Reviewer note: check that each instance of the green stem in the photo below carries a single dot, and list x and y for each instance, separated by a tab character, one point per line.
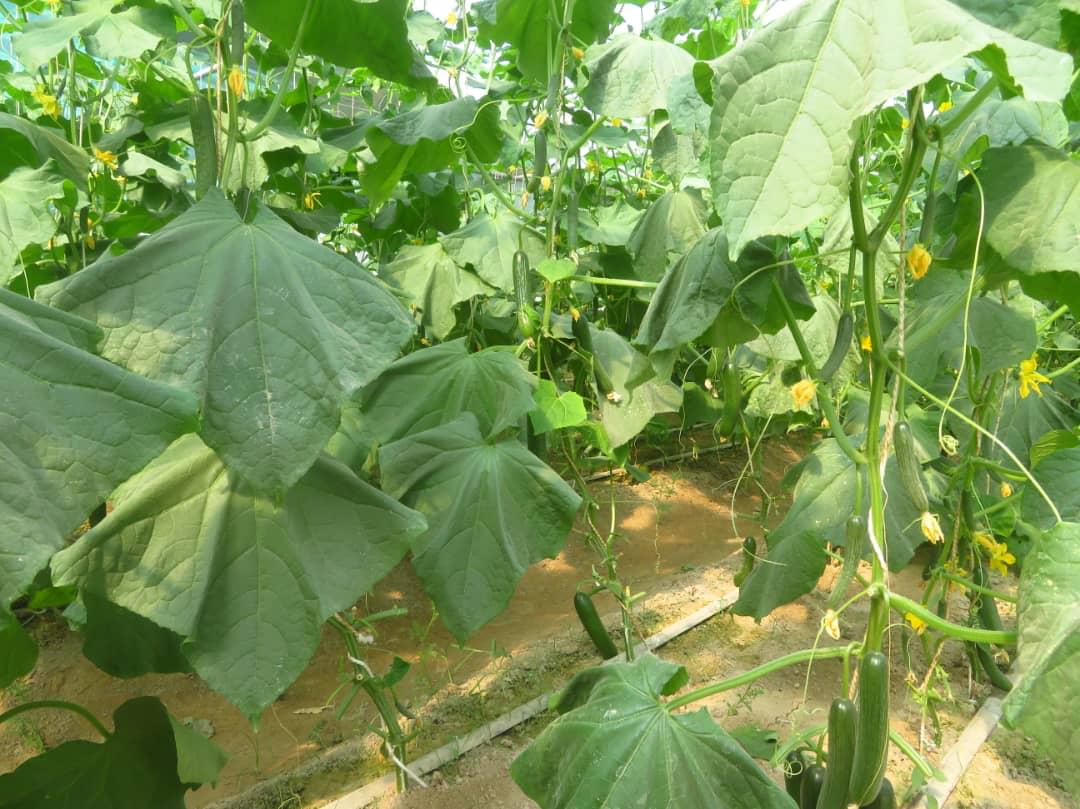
275	104
183	14
793	659
60	704
969	107
927	769
1064	369
615	282
967	584
825	395
904	605
497	190
571	150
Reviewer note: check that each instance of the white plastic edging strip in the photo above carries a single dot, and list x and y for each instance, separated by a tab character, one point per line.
955	762
384	786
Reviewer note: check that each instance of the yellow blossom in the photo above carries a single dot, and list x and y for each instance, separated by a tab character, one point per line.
1001	558
984	539
931	528
803	392
524	199
945	106
744	3
48	102
831	624
1005	489
54	5
90	241
865	344
918	261
917	623
577	52
616	121
592	165
451	19
1030	378
575	313
540	119
107	158
311	198
641	193
647	174
904	123
236	81
545	183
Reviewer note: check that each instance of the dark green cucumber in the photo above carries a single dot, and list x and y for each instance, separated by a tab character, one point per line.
987	607
989	665
236	29
886	797
571	221
201	118
872	734
525	312
540	164
811	786
842	716
583	335
854	545
749	556
594	627
844	331
908	464
732	390
794	770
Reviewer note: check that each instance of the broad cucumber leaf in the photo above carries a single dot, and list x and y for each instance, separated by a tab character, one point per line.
271	331
435	385
1037	20
371	34
629	76
668	229
1048	678
555	411
148	760
72	426
488	243
1058	475
528	26
616	744
23	143
25	217
434	284
125	644
248	581
493	509
779	157
610	225
123	35
18	651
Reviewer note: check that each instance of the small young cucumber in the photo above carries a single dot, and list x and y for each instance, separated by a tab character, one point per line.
811	786
872	733
590	619
908	463
842	715
794	770
525	313
844	331
732	389
854	545
749	554
886	797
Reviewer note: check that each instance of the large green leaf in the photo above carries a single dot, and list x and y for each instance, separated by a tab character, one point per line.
488	243
1033	214
615	744
18	651
705	287
1037	20
123	35
436	385
25	217
72	426
143	762
780	151
629	76
125	644
819	332
371	34
23	143
1048	681
668	229
245	579
555	411
527	25
1058	474
493	509
271	331
433	284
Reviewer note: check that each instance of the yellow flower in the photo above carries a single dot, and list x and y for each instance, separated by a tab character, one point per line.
984	539
647	174
524	198
451	19
107	158
48	102
831	624
90	241
577	52
641	193
236	81
575	313
803	392
545	183
918	261
592	165
865	344
1005	489
1000	558
904	123
1030	378
917	623
744	3
945	106
616	121
540	119
931	528
311	198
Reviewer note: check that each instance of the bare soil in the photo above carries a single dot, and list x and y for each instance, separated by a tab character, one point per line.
679	532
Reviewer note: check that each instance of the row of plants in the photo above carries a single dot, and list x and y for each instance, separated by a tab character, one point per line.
296	290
